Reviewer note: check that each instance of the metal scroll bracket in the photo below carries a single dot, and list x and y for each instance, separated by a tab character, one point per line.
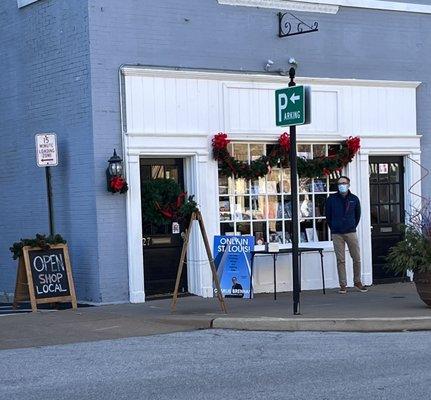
290	25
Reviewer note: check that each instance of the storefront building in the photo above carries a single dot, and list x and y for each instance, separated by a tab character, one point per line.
157	82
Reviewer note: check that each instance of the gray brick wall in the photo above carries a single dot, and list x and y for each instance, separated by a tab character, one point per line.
45	86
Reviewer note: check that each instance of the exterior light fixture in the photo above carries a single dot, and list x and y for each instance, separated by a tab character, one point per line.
114	175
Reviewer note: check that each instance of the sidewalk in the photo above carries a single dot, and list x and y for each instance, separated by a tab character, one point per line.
383	308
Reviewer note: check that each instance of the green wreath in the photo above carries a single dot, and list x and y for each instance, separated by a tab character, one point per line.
163	202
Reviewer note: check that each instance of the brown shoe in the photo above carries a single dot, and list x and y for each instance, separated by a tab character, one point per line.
359	286
343	289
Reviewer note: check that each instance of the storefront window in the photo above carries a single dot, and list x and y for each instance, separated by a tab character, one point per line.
262	207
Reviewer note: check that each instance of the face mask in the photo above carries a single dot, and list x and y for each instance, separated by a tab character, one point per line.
343	188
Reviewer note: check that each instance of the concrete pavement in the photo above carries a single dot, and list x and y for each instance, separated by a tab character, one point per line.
216	364
397	303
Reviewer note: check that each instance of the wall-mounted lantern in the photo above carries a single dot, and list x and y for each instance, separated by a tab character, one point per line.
114	175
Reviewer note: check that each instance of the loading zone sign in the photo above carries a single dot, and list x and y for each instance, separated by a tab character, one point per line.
46	150
292	106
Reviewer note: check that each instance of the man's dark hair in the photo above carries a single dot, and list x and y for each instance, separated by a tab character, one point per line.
344	177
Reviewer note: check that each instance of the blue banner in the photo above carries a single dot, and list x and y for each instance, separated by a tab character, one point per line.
232	256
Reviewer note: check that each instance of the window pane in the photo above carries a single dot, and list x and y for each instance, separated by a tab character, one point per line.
394	172
288	232
227	229
383	173
259	232
286	180
287	207
373	173
274	207
240	151
225	209
395	214
384	193
306	231
241	186
258	186
322	230
395	193
243	228
258	207
304	151
223	184
374	215
305	206
256	151
384	214
276	232
319	150
319	185
273	182
242	208
305	185
319	202
374	195
333	179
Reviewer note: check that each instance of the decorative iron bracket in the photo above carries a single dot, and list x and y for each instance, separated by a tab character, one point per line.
287	22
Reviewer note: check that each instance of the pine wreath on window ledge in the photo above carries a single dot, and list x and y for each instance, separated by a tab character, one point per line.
336	160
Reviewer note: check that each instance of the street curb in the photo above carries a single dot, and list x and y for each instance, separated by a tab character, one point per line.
324	324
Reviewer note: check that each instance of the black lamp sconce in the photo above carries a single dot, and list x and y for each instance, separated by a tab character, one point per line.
114	175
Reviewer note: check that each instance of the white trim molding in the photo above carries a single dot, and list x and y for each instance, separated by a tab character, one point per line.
331	6
284	5
23	3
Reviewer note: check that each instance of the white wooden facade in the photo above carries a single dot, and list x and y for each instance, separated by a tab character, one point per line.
176	113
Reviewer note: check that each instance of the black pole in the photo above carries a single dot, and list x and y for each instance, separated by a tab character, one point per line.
295	219
49	193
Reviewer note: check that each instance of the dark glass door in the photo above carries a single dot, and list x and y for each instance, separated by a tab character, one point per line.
387	212
161	247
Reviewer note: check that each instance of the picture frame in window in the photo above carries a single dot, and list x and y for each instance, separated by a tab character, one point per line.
271	187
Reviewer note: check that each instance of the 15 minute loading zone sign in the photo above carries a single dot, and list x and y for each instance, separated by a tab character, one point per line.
292	106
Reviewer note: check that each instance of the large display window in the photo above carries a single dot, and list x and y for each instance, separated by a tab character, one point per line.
262	207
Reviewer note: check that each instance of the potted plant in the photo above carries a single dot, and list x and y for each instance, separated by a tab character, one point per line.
414	253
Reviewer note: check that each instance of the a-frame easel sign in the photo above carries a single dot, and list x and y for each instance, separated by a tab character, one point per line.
45	276
197	216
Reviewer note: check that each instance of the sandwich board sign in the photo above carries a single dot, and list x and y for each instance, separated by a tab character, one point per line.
45	276
292	106
46	150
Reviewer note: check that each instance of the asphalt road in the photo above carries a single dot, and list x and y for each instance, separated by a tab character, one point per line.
225	365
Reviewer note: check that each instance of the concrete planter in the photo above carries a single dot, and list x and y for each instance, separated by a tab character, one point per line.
423	286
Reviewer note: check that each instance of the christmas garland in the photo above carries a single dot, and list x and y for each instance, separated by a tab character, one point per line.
336	160
164	202
42	241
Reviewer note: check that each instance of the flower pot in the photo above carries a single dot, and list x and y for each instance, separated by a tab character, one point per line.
423	286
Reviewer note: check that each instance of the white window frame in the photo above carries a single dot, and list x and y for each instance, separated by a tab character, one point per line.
231	197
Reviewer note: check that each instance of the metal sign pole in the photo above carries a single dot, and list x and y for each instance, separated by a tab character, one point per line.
295	217
50	206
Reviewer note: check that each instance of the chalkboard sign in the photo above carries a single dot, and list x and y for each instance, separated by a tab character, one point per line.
45	275
49	273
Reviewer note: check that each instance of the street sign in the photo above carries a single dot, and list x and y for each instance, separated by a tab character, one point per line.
292	106
46	150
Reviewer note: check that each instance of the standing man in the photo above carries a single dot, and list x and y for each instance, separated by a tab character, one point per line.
343	212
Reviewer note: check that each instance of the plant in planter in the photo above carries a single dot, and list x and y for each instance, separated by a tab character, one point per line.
414	253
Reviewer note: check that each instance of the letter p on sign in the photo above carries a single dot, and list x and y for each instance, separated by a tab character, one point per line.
282	105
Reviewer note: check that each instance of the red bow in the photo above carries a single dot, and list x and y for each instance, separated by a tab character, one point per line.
284	141
220	141
117	183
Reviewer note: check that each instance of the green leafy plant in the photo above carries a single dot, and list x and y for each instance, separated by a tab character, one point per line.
42	241
413	253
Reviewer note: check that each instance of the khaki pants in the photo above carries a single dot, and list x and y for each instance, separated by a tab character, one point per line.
340	241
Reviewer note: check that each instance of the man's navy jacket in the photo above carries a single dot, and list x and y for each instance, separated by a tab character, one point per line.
343	213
